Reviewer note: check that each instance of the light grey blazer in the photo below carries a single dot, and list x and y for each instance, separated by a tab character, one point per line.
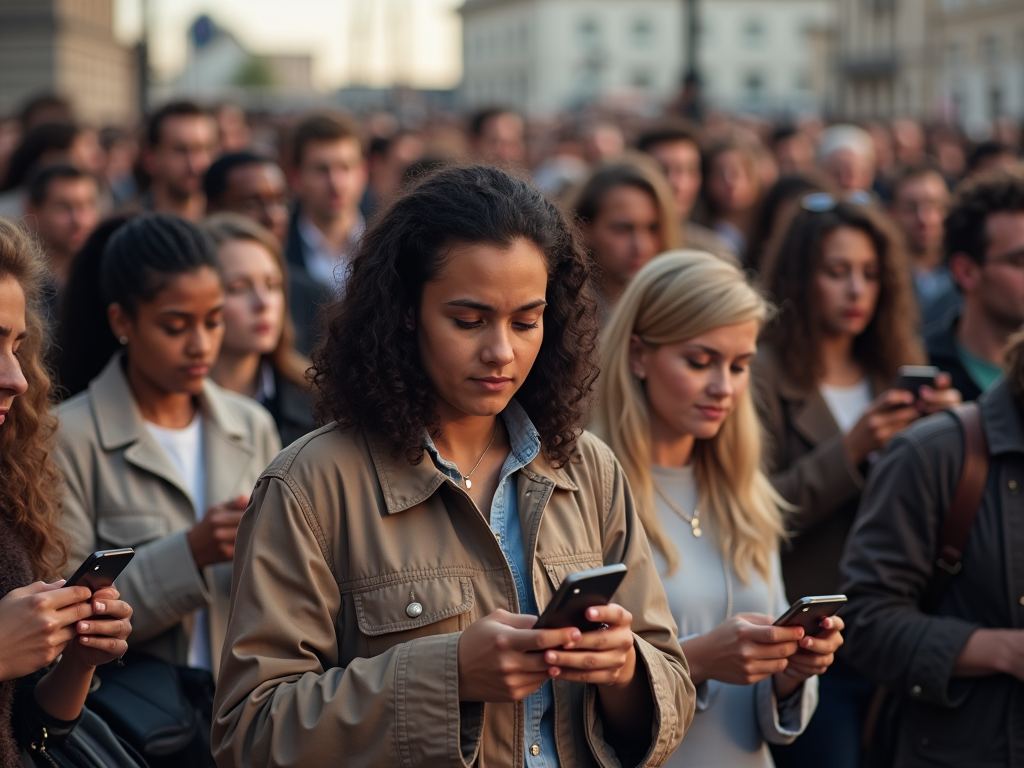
121	490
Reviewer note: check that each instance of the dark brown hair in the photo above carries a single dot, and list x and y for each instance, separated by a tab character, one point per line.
368	369
1000	191
227	227
326	126
30	493
889	340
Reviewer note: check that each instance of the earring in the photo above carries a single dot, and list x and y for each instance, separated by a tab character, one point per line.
123	340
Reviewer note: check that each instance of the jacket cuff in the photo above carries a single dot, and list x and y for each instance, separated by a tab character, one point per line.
931	668
780	722
173	578
427	707
703	689
666	727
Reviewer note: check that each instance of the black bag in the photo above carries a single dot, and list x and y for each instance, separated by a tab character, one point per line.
161	710
92	744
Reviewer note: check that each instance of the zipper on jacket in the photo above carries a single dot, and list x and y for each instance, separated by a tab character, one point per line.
41	749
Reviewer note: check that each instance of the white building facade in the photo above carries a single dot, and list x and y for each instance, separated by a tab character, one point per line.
543	57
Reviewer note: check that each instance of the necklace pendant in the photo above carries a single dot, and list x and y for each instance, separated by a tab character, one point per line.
469	483
695	526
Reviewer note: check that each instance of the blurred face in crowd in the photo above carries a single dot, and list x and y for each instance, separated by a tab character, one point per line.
254	298
732	183
258	191
481	324
919	207
12	333
849	169
67	215
846	282
692	386
625	234
330	178
794	154
388	169
996	287
232	129
501	141
680	160
603	142
994	162
185	150
173	340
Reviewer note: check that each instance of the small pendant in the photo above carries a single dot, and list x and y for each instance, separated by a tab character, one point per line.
469	483
695	525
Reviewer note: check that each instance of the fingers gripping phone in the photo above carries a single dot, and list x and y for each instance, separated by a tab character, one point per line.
807	612
913	377
577	593
101	568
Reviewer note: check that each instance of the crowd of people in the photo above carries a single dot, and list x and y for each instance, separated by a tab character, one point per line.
362	395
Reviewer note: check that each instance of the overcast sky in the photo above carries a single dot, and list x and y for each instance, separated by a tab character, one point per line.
431	38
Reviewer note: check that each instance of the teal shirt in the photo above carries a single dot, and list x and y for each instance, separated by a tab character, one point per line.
983	372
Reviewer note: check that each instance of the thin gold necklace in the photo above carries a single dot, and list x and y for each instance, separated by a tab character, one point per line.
465	478
693	520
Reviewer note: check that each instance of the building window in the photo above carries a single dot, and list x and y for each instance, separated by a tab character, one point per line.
754	33
995	103
642	34
990	50
953	55
753	88
642	79
589	33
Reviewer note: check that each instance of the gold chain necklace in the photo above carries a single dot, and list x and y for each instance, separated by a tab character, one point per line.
693	520
465	478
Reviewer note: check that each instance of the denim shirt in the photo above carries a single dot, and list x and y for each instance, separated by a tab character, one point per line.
504	520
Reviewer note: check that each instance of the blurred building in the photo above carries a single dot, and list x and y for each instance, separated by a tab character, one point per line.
955	60
547	56
219	67
67	47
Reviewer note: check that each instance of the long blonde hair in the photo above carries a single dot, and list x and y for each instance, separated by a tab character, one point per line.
675	297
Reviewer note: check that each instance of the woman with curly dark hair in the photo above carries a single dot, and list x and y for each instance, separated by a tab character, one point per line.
38	621
826	375
391	565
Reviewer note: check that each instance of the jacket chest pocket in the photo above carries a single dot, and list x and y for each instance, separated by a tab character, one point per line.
557	567
418	607
130	529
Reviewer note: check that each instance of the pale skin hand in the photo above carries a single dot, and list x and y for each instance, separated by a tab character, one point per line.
742	650
212	539
815	656
38	621
62	691
992	651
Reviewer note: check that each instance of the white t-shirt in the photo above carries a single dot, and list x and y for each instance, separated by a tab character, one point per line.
847	404
184	447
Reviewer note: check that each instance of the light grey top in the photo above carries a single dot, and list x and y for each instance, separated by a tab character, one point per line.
733	722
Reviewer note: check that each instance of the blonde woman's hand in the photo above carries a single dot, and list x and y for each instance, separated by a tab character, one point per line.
742	650
36	623
815	656
101	640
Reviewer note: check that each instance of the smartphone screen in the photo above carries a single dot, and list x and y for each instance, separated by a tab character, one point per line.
101	568
807	612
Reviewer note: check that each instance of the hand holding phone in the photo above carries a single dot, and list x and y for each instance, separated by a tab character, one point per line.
577	593
913	377
101	568
807	612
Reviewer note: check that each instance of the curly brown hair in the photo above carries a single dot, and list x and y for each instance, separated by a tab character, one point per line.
30	491
890	339
368	370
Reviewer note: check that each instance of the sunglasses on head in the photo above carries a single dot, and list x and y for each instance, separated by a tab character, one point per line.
820	202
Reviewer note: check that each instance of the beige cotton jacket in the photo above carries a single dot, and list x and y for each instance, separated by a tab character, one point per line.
326	663
123	491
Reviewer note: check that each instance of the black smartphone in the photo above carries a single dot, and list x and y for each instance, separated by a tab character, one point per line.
807	612
101	568
577	593
913	377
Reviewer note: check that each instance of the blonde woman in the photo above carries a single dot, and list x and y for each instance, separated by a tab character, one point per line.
676	408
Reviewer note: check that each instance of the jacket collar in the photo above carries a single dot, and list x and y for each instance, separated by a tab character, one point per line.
1003	420
119	424
810	414
405	484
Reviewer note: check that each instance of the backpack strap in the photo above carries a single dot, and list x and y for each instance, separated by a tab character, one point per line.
963	509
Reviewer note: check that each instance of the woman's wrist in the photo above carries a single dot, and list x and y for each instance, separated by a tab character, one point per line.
786	683
693	651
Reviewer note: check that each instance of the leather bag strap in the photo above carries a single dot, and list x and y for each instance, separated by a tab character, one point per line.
963	509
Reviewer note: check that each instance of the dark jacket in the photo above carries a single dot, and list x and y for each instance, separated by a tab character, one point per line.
307	295
941	346
946	721
808	466
292	410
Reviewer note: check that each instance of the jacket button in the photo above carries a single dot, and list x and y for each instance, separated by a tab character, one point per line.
413	610
915	691
535	749
1012	485
1022	601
